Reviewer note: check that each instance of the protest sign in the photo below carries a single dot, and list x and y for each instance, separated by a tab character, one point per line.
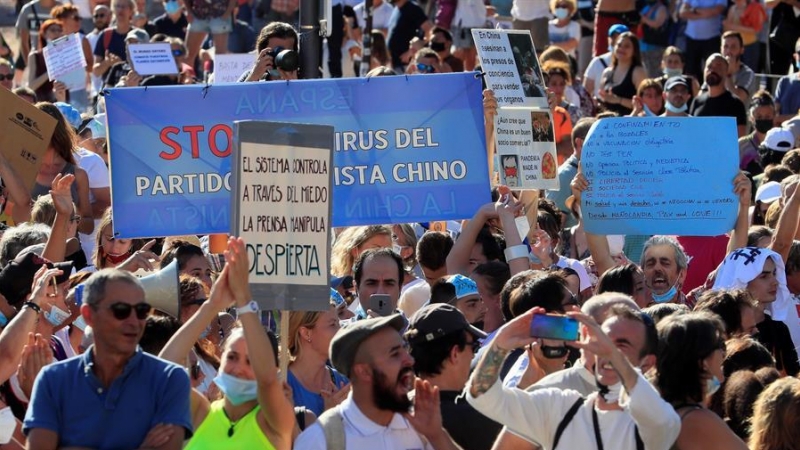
152	58
645	176
526	148
512	70
229	67
396	158
65	61
281	182
25	133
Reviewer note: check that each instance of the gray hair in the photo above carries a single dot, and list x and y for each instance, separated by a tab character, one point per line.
17	238
681	259
598	305
94	289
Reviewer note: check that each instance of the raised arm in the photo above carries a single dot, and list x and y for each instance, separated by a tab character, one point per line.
56	247
742	187
489	113
598	243
786	229
508	210
458	258
276	409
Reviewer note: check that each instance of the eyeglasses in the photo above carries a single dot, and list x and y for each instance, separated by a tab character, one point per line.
123	310
475	344
6	77
75	219
425	68
571	301
177	52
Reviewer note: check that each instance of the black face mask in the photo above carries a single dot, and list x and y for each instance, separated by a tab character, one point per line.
763	125
437	46
554	352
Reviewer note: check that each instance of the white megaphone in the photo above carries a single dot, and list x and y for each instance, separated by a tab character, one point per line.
162	290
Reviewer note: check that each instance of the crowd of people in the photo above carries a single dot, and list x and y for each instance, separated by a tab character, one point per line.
424	341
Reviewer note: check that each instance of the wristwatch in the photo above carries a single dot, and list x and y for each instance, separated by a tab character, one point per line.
250	308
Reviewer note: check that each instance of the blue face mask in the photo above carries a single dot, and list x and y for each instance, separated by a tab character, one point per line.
172	7
672	72
205	332
561	13
666	296
648	112
675	110
236	390
712	385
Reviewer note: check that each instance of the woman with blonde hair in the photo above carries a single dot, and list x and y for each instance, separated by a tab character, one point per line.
355	240
776	421
315	385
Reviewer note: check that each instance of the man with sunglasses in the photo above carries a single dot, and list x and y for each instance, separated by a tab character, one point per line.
443	344
114	395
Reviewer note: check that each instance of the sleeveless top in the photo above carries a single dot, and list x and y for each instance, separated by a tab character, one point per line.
625	89
687	408
45	91
213	433
40	189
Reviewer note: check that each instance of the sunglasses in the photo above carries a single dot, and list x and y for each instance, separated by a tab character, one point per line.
5	77
122	310
425	68
476	345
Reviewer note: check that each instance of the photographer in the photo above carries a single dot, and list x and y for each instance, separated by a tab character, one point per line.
277	54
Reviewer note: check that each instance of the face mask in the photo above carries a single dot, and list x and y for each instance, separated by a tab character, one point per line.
7	425
666	296
205	332
117	259
797	65
672	72
561	13
674	109
56	316
712	385
610	393
172	7
437	46
80	324
763	125
235	389
647	111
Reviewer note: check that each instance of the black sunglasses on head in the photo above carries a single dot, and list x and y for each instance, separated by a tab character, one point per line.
123	310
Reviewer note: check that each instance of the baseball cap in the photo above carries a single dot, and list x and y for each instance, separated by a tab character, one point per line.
678	80
138	34
346	280
434	321
16	277
768	192
617	29
345	342
464	286
779	139
71	114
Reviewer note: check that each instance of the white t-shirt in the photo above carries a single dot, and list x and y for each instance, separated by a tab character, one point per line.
564	34
97	82
536	415
530	9
362	433
380	15
595	71
99	178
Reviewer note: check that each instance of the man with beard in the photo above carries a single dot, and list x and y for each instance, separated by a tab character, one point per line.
718	101
664	263
443	344
632	415
676	94
462	293
375	416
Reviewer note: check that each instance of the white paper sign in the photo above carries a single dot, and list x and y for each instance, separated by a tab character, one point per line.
526	148
512	69
65	61
229	67
152	59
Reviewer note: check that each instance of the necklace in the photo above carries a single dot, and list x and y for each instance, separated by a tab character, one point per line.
232	422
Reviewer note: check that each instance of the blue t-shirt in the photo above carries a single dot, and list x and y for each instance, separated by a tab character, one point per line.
787	94
700	29
304	397
68	399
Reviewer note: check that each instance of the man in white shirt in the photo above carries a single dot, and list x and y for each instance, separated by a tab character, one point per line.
375	415
627	413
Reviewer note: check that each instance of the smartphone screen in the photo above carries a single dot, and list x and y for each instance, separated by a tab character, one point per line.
548	326
381	304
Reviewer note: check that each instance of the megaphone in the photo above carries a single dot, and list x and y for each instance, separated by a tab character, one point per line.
162	290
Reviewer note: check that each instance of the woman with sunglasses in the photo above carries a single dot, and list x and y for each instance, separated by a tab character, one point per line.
254	412
691	349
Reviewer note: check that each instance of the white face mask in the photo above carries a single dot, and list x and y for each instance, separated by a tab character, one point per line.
7	425
56	316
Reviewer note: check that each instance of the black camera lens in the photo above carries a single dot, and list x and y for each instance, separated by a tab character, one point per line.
286	60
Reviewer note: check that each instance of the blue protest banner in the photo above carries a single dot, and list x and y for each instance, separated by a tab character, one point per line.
660	175
407	149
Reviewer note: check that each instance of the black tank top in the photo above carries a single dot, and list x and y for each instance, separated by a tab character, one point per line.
625	89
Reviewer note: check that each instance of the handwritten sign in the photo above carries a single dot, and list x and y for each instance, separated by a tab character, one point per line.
660	175
152	58
65	61
526	148
229	67
282	208
512	69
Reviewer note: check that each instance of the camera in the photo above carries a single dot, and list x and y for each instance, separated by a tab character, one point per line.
285	59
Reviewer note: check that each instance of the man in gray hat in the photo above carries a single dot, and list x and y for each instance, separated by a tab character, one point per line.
374	356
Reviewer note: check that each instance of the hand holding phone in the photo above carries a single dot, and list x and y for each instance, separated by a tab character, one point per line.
551	326
381	304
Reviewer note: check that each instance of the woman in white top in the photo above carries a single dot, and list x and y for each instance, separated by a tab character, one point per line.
564	32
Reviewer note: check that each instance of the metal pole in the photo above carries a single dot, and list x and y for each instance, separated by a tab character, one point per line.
310	41
366	52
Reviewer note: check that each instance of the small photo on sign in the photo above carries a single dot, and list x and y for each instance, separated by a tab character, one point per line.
542	127
510	172
527	64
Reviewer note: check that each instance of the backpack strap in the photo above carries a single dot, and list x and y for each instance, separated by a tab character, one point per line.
603	62
107	35
566	420
639	441
332	423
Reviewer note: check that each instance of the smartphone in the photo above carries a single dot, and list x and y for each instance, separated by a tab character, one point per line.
381	304
549	326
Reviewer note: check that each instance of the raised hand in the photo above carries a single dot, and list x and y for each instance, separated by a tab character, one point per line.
595	340
41	282
62	196
332	396
239	272
35	355
141	259
427	416
742	188
221	296
489	105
